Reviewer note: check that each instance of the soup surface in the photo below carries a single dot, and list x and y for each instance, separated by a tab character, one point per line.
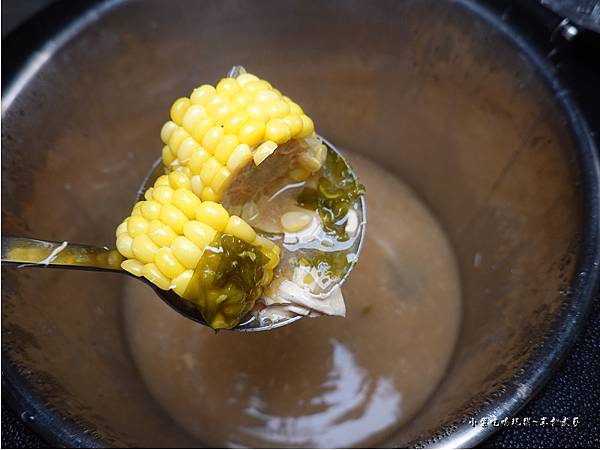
326	382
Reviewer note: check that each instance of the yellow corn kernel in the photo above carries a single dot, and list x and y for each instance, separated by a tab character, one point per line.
294	107
185	170
295	123
209	195
186	149
216	100
167	130
161	234
299	174
203	124
137	225
198	159
167	156
192	116
133	266
212	138
251	132
295	221
225	148
199	233
266	96
137	211
242	99
197	185
148	195
179	284
186	252
321	154
221	113
258	111
267	277
144	248
239	228
167	263
170	215
178	109
273	260
162	194
163	180
186	201
263	151
234	122
239	158
202	94
256	86
179	180
264	243
155	276
278	108
276	251
178	136
245	78
122	228
212	214
308	126
209	170
228	86
151	210
124	242
310	163
221	180
278	131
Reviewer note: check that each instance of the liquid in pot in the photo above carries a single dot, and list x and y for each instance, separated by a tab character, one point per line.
326	382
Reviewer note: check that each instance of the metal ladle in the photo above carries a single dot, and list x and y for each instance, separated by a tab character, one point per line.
25	252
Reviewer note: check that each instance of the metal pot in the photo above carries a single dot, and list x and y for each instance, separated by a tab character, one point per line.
448	95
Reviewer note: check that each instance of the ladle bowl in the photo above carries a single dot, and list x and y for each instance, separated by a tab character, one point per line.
27	253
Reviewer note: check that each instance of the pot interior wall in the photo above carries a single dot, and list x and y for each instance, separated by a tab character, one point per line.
423	87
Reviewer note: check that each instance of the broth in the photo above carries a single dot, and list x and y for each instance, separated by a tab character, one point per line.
325	382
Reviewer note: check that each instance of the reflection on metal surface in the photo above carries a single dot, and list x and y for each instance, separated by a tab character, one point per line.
585	13
350	404
33	252
44	54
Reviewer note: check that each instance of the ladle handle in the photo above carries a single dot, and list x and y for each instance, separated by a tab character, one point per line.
26	252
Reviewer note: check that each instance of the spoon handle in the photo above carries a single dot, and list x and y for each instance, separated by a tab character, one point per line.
26	252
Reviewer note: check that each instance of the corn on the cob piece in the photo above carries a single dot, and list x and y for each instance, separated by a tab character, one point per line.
220	132
170	238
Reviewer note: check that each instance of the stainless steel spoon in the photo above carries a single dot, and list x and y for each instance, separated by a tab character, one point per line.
25	252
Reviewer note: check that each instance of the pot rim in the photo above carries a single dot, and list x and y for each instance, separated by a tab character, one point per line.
63	20
567	326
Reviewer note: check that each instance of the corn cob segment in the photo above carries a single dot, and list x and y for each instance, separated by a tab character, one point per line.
170	238
240	155
222	135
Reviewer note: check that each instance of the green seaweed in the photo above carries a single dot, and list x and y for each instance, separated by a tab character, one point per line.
336	192
332	265
227	281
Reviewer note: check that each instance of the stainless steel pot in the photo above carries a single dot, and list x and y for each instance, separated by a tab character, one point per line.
447	95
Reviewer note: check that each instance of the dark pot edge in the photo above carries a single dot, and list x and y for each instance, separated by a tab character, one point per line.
569	323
